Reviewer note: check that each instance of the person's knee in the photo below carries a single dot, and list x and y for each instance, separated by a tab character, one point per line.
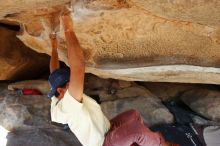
134	111
135	115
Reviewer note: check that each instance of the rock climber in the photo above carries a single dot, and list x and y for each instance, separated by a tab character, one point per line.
82	114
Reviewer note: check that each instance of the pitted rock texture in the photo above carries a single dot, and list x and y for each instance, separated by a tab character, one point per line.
203	12
132	35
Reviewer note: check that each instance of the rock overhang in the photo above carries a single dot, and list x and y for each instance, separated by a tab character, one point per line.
160	41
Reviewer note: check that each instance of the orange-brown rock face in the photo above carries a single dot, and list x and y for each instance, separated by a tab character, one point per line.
16	60
145	40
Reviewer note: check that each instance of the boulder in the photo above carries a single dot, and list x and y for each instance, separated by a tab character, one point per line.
27	120
47	136
150	107
29	115
40	85
169	91
18	111
110	89
13	116
205	102
39	108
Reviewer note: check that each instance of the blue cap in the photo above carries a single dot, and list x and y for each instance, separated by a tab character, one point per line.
57	79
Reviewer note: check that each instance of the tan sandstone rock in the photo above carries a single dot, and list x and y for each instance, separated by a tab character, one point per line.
16	60
144	40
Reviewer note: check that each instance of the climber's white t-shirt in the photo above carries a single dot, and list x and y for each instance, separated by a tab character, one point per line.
86	120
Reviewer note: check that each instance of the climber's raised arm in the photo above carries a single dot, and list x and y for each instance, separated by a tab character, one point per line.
54	60
75	59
